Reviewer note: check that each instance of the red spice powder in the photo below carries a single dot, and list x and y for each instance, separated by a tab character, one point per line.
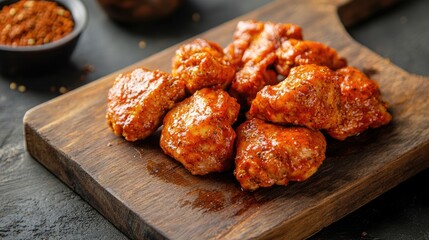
28	23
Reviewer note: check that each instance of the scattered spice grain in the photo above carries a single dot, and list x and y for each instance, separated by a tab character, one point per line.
196	17
28	23
88	68
53	89
22	88
12	85
142	44
62	90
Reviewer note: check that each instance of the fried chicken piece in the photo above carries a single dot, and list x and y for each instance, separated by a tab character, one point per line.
296	52
248	33
309	96
202	64
269	154
252	78
253	54
138	101
197	132
362	105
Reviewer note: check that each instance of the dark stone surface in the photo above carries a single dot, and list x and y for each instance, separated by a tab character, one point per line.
36	205
400	34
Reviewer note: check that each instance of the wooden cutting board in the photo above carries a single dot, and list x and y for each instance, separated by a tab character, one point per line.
148	195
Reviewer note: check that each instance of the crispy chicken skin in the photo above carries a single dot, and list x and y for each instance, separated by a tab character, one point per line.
138	101
295	52
202	64
247	34
309	96
253	54
362	106
269	154
197	132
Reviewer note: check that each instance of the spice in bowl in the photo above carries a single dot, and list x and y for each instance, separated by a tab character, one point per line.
29	23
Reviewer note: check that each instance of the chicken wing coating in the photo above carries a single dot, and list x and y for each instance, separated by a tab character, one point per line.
198	133
362	106
245	43
138	101
295	52
269	154
309	96
253	53
202	64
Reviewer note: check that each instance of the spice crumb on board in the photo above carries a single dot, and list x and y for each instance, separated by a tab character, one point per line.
48	20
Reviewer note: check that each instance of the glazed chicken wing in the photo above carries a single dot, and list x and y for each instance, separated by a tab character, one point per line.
362	106
245	45
202	64
296	52
138	101
253	53
198	133
269	154
309	96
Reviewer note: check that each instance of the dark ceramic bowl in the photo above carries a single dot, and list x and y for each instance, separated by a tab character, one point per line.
42	58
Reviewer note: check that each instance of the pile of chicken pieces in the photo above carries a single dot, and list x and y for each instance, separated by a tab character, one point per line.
259	105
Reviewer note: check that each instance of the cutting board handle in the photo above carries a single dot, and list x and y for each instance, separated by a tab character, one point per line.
352	12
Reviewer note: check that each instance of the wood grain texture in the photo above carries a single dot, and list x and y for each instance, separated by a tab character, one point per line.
148	195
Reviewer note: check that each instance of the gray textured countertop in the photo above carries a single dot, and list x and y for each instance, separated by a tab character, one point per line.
34	204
